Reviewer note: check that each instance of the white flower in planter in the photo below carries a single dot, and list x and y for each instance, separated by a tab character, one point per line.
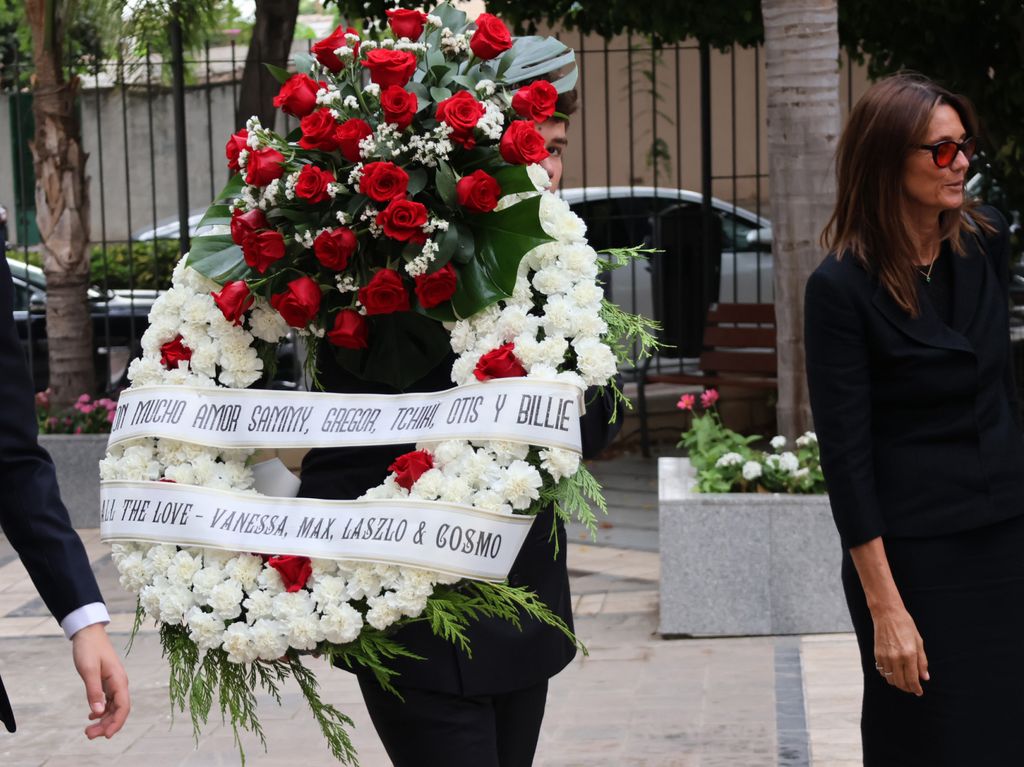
751	470
778	442
729	459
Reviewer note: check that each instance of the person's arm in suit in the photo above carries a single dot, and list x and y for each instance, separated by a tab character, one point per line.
596	428
35	521
839	383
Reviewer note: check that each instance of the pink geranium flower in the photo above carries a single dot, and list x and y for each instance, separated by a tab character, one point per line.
686	402
709	398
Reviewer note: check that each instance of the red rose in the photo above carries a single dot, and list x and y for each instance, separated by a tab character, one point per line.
173	353
385	294
499	363
312	182
410	467
405	23
299	303
491	38
294	571
536	101
478	192
244	224
238	143
348	136
349	330
436	288
319	131
403	220
263	166
324	50
297	96
462	112
234	300
399	106
263	248
389	67
383	181
522	144
334	248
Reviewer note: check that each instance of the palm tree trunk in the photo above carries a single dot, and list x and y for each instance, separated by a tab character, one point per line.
802	65
271	43
62	205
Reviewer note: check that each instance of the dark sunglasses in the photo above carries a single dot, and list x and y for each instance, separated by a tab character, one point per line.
945	152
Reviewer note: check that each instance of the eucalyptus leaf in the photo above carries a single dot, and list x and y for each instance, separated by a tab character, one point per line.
303	62
467	81
217	257
452	18
440	94
417	182
423	342
447	244
281	75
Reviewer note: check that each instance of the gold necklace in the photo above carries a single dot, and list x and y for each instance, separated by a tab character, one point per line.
927	273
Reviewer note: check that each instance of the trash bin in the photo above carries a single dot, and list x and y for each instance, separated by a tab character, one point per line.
685	281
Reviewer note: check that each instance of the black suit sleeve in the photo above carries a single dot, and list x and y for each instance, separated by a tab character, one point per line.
596	429
997	249
839	383
32	514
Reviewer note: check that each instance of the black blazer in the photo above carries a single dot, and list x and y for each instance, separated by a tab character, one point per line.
504	658
32	515
917	420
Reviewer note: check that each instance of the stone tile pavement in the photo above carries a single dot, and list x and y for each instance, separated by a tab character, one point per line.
634	700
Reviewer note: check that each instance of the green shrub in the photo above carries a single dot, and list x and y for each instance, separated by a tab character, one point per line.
148	266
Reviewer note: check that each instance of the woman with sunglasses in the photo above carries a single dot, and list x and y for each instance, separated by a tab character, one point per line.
908	362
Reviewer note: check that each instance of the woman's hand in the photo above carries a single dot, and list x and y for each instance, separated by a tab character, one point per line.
899	649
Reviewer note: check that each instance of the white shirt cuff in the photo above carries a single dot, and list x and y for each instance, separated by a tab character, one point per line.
86	615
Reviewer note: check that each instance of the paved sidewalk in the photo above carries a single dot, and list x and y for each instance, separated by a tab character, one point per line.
635	700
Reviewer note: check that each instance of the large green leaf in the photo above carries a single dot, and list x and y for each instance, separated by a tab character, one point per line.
502	239
218	258
423	343
454	19
535	57
216	214
513	179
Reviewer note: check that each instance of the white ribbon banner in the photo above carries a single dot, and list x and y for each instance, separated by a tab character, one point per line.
543	413
449	538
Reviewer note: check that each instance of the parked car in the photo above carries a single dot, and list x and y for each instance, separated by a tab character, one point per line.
676	286
168	228
119	318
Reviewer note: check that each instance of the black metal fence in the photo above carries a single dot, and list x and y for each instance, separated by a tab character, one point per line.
667	150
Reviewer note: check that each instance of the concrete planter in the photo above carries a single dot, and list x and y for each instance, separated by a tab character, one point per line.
77	458
740	564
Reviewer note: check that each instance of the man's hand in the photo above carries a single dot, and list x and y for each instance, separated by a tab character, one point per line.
106	683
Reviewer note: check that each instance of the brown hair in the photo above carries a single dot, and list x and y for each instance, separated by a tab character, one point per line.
887	123
567	103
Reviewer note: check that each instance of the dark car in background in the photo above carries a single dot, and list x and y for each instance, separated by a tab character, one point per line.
119	318
676	285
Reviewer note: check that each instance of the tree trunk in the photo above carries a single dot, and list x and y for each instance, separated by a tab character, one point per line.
62	206
271	43
802	63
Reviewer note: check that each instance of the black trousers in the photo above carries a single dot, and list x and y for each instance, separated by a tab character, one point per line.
965	592
433	729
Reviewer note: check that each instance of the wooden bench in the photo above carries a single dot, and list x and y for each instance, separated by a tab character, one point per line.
738	350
